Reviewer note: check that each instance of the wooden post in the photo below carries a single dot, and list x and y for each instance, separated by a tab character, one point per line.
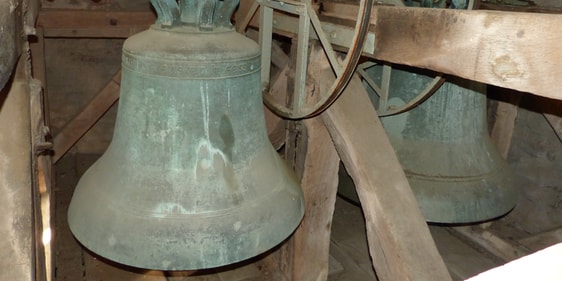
39	68
505	115
319	183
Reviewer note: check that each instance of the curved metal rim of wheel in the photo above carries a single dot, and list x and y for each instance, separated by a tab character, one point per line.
344	71
383	90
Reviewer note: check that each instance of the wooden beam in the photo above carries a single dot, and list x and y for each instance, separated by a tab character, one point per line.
92	23
506	49
399	240
555	122
553	114
41	174
531	8
38	68
542	240
512	50
504	119
312	238
504	249
79	125
276	126
543	265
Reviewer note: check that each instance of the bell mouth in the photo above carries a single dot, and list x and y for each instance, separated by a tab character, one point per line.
167	238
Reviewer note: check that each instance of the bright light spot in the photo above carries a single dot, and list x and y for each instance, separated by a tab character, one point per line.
46	236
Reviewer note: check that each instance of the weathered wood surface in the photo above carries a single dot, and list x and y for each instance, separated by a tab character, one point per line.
499	247
92	23
543	265
553	114
41	171
542	240
531	7
513	50
520	51
38	67
504	120
463	261
399	240
555	122
319	183
81	123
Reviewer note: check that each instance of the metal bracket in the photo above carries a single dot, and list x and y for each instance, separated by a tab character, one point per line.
266	39
343	70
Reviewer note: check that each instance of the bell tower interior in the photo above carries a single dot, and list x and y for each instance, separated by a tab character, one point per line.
301	140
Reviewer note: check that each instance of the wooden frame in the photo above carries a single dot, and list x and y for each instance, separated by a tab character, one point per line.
398	238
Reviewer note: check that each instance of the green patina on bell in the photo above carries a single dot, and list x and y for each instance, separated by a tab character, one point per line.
190	179
443	144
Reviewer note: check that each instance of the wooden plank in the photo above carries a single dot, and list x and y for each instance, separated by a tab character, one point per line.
79	125
349	244
98	268
553	115
38	67
312	238
275	128
462	260
54	18
555	122
504	123
495	245
88	32
41	183
93	23
542	240
399	240
531	8
47	216
69	259
511	50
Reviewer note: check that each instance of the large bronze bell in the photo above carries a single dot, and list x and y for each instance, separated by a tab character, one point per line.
190	179
444	147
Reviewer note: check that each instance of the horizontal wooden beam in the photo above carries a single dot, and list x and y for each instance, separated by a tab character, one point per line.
511	50
488	5
520	51
93	24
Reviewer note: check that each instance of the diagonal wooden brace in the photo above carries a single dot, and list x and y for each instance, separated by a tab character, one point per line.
73	131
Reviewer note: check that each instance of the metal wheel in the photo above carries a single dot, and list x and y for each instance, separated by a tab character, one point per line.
382	89
308	18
